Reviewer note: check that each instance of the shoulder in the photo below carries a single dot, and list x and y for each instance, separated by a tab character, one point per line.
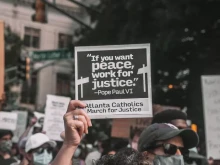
94	153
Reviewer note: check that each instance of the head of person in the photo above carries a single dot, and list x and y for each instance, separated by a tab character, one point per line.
102	141
210	161
134	138
39	149
127	156
5	141
175	117
37	130
165	144
14	150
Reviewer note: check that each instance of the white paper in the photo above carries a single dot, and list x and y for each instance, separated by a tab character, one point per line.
8	120
56	107
21	125
211	107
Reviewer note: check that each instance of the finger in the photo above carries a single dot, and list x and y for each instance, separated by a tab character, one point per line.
62	135
79	126
73	104
83	119
82	112
68	118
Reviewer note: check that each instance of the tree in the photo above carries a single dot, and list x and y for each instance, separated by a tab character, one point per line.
13	44
184	37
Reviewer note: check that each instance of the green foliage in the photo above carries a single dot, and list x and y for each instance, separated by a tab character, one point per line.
184	37
13	45
181	34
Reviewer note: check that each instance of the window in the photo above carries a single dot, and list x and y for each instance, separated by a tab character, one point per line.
63	84
32	37
65	40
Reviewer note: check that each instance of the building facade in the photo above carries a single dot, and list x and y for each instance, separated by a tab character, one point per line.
54	77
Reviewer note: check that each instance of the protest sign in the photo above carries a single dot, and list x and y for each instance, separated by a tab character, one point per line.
114	81
211	108
21	125
56	107
8	121
40	119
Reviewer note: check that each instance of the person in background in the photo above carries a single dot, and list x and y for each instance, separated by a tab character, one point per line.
23	139
21	147
15	152
77	156
134	138
165	144
5	147
175	117
103	144
159	143
179	118
39	149
126	156
210	161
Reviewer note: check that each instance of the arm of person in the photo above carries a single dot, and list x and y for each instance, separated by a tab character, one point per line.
30	125
76	122
64	155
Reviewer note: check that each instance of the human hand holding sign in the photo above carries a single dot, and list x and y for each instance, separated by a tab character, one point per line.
33	121
76	122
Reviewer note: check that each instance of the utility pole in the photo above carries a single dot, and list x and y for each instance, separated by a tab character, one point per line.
2	63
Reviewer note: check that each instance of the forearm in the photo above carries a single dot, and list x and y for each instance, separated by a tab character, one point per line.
26	132
64	156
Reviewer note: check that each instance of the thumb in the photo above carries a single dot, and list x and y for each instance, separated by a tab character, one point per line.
62	135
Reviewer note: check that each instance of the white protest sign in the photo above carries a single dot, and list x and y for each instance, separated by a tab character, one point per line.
8	120
211	106
56	107
40	119
114	81
21	125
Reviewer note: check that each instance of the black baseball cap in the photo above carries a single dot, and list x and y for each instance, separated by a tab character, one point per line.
164	131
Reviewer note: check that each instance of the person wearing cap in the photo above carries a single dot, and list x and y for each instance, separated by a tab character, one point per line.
39	149
179	118
165	144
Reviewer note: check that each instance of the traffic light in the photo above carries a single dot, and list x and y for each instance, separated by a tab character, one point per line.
24	68
40	12
194	127
170	86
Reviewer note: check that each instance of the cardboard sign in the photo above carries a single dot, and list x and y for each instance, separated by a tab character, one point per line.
56	107
114	81
211	107
21	125
122	128
8	120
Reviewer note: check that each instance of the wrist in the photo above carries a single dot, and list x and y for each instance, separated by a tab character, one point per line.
69	146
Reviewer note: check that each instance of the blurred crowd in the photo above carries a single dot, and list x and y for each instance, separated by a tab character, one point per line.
168	140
